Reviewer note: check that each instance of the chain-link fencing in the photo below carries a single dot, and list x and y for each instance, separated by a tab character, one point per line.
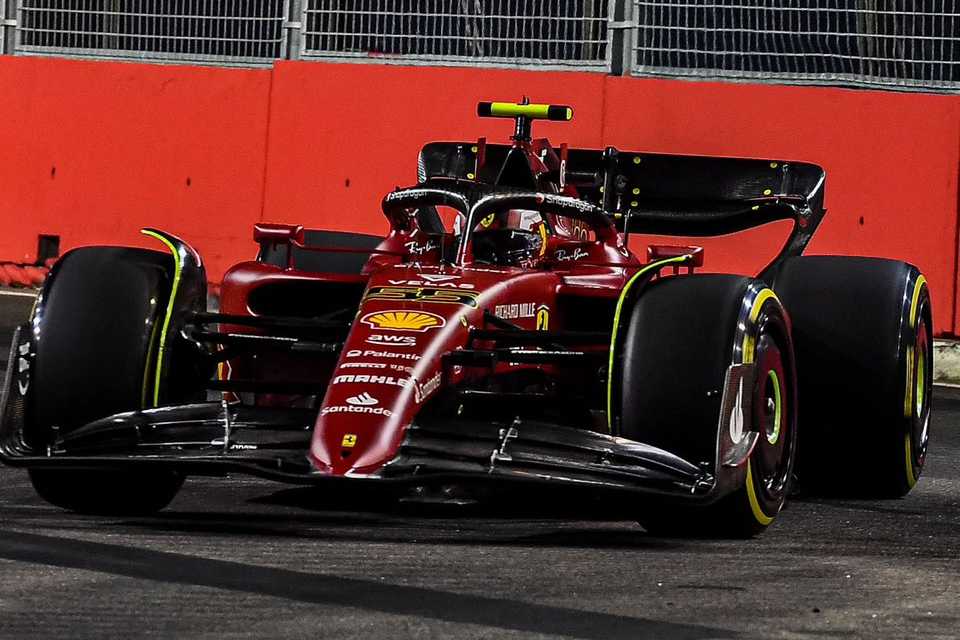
890	43
913	44
207	31
535	33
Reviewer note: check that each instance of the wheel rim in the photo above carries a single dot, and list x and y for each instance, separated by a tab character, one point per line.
771	460
773	406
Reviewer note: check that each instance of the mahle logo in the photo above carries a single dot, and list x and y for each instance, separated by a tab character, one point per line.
403	320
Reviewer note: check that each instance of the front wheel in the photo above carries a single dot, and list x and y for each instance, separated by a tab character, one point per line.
114	493
682	336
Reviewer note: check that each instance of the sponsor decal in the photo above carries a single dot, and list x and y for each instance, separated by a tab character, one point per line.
386	355
422	391
363	400
363	378
487	220
416	249
543	318
407	194
375	411
516	310
423	294
439	277
562	255
426	283
395	341
402	368
349	441
565	201
403	320
363	365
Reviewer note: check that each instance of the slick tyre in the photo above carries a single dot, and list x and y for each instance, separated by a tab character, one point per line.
683	334
97	322
110	493
863	331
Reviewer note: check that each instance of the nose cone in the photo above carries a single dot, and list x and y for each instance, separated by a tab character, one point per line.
391	363
360	423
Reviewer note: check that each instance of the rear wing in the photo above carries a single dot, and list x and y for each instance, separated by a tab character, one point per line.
659	193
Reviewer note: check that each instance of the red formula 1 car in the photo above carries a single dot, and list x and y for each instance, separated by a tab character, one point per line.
501	337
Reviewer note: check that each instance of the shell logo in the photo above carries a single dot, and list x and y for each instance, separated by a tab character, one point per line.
403	320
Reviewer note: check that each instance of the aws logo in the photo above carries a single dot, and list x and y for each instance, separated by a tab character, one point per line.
423	294
380	339
403	320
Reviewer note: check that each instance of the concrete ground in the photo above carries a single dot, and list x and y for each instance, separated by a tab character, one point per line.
243	558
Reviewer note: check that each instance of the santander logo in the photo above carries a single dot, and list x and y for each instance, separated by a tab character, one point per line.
363	400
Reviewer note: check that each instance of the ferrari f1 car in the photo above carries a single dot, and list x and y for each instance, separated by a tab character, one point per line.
502	336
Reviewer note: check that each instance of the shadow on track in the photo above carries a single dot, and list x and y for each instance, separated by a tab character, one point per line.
325	589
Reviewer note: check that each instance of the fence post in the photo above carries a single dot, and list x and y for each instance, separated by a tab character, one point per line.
8	25
294	26
620	30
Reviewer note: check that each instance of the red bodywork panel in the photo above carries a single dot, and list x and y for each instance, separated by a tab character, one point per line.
410	315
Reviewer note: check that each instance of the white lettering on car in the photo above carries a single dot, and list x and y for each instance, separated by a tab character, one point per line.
395	341
386	355
516	310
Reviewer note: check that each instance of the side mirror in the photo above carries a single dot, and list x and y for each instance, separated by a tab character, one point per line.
272	237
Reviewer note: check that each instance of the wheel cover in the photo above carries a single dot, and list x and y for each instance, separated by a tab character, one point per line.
773	406
772	457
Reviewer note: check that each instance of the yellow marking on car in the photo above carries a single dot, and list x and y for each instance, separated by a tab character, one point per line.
349	441
403	320
908	383
748	339
169	313
921	281
755	507
511	110
616	323
911	471
145	389
543	319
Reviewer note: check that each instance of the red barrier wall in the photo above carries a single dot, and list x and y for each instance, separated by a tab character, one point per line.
94	150
892	162
343	135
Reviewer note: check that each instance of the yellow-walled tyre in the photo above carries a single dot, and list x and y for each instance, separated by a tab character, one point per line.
96	331
863	334
682	336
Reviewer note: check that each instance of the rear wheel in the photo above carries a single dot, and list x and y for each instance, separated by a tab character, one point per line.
683	335
97	323
863	328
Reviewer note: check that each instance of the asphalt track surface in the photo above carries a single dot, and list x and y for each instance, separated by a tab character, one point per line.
244	558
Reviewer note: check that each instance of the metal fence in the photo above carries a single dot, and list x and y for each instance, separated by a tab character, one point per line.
223	31
892	43
567	33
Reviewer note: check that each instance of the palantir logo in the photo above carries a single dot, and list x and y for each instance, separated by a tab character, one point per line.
364	400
